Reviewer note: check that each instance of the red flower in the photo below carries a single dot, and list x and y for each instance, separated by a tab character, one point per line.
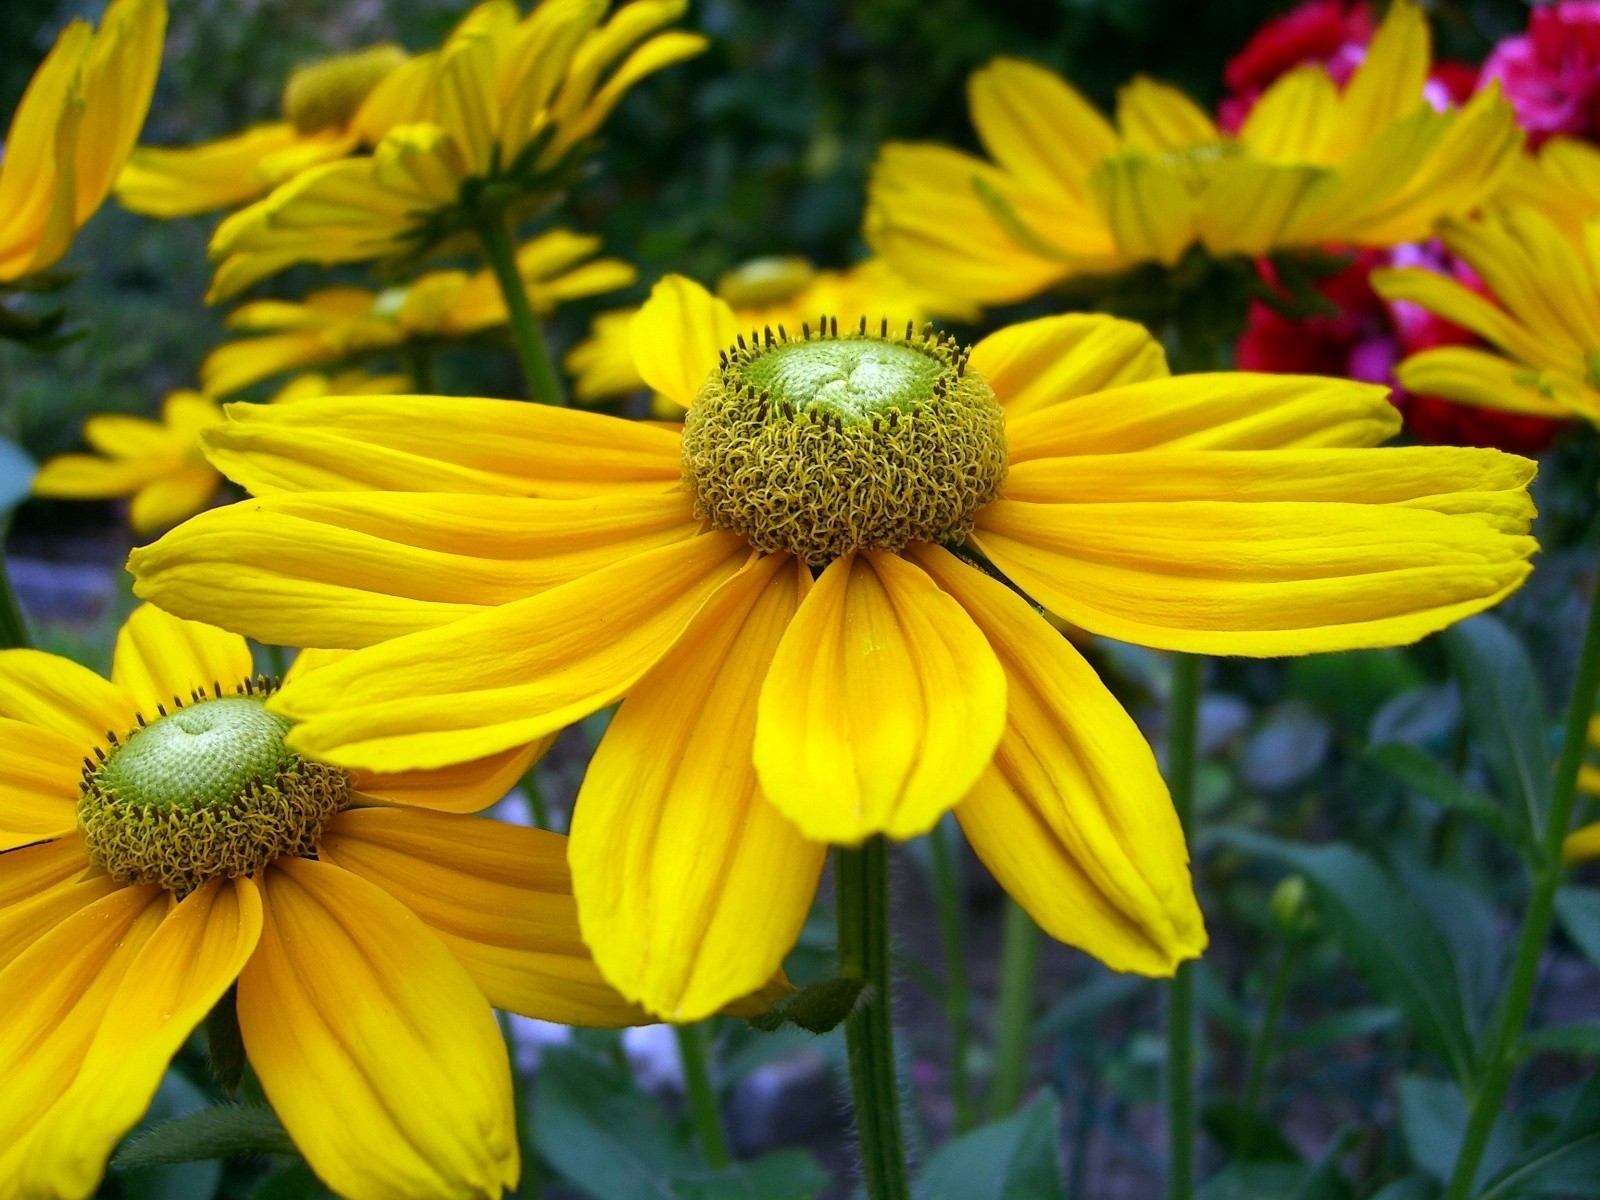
1551	74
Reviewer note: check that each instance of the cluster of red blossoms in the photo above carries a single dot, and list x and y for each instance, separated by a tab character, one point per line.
1551	76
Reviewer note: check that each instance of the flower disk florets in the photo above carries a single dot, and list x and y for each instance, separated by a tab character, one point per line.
206	791
822	445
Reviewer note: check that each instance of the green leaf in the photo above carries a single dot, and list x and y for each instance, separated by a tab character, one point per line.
1013	1159
1419	772
1506	711
1245	1135
1342	1027
225	1131
177	1097
1388	936
1089	1002
1566	1163
1433	1120
786	1175
1579	911
1580	1037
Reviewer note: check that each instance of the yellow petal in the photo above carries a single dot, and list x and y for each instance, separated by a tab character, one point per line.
85	477
1037	364
439	444
1296	119
1250	205
180	974
185	182
40	770
119	77
57	995
347	569
1266	552
499	897
1148	207
1158	118
40	887
377	1051
1472	376
118	436
655	55
509	676
1037	126
58	695
1073	817
691	887
1454	302
1582	844
883	705
464	788
164	502
676	337
1388	84
160	657
234	366
1229	410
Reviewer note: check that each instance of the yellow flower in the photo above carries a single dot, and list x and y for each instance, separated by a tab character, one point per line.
1562	181
343	383
508	106
330	108
1067	193
1543	321
799	596
338	324
764	291
158	845
74	128
159	463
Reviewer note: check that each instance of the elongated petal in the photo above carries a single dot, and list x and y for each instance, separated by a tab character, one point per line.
439	444
59	896
1296	120
498	896
1040	363
1224	411
691	887
1472	376
1455	302
85	477
57	994
1268	552
1037	126
377	1051
1073	817
58	695
463	788
677	335
883	705
348	569
506	677
163	502
1158	117
1388	84
1147	206
179	975
160	657
1248	207
40	770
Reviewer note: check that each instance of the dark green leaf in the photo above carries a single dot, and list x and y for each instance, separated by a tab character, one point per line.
1567	1163
1245	1135
786	1175
1013	1159
225	1131
1342	1027
1579	911
1386	933
1506	711
295	1182
1088	1003
1581	1037
1423	775
1433	1120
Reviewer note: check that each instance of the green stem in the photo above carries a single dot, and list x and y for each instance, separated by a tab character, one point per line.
1182	738
1261	1046
1498	1061
537	808
13	628
957	992
1019	965
694	1051
419	365
537	369
861	878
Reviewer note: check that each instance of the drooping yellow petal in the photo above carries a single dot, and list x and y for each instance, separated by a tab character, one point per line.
677	335
160	657
498	896
1266	552
1073	817
119	77
180	974
185	182
439	444
40	887
883	705
1472	376
509	676
1223	411
40	770
468	787
1040	363
1455	302
377	1051
58	695
691	887
57	994
348	569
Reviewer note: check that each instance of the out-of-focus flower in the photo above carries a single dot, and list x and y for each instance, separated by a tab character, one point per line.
1551	74
330	108
563	560
1541	317
1583	845
162	853
342	383
336	325
1561	180
765	291
506	113
1333	33
1371	164
74	128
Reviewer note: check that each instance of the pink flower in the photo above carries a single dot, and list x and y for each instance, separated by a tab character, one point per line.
1551	74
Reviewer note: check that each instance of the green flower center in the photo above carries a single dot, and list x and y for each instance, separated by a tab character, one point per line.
822	445
204	792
